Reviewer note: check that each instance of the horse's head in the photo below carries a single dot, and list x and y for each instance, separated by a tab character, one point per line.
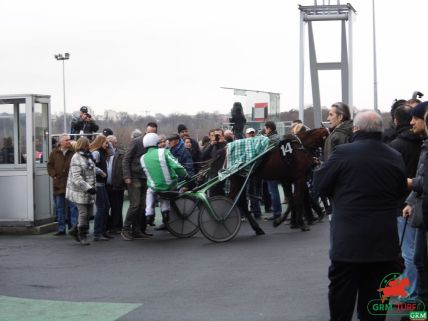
314	138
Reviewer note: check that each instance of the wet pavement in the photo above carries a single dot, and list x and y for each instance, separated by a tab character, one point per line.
279	276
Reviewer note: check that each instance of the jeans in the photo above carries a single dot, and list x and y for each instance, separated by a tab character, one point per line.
408	252
60	211
421	263
103	208
276	200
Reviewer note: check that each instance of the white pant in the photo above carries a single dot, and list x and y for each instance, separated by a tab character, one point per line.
150	203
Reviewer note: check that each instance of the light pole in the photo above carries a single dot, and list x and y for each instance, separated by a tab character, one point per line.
63	59
374	61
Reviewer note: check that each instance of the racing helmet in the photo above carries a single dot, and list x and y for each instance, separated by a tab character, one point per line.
150	139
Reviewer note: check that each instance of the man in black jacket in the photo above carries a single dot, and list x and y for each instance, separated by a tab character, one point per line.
134	226
84	123
365	181
408	144
415	201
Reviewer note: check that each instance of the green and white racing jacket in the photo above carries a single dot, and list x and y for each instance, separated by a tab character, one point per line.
162	169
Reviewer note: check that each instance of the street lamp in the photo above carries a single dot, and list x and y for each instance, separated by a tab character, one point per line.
63	59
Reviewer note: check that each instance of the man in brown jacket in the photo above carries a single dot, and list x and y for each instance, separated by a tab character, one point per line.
58	168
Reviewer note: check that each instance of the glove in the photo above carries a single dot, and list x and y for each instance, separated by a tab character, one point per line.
92	191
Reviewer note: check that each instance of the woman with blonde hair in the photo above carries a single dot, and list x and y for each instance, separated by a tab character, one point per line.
298	128
99	150
81	188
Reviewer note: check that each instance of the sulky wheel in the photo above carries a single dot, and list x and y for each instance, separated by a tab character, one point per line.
220	228
183	217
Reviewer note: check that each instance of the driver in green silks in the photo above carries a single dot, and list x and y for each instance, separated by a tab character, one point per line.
162	170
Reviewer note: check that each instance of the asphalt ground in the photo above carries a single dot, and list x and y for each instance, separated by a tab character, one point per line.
279	276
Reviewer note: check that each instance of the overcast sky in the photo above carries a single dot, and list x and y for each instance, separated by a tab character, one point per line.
172	56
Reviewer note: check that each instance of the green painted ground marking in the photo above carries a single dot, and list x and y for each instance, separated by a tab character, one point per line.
18	309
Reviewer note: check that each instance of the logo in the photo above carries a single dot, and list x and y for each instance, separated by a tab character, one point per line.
392	286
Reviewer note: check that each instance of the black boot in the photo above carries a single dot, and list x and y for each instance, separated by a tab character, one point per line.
165	217
83	235
74	233
150	220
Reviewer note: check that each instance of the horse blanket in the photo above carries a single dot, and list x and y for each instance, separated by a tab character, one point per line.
242	151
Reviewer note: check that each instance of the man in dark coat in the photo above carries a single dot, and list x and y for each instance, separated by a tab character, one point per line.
406	141
408	144
339	117
183	156
365	181
415	201
134	226
84	123
390	133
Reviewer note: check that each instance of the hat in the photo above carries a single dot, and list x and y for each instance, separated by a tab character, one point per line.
250	130
419	110
84	109
150	139
107	132
172	137
181	127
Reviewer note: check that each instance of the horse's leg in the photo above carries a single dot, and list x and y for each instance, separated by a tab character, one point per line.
299	192
307	208
288	194
235	185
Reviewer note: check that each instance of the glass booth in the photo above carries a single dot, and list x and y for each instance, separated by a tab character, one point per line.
25	198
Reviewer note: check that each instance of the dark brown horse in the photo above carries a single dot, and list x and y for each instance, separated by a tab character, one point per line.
288	163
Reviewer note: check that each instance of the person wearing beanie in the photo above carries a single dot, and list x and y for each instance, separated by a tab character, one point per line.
414	207
107	132
408	144
419	110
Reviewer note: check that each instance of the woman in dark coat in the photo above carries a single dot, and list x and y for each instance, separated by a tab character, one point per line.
99	149
238	120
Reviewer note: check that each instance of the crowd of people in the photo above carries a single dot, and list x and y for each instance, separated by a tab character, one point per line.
377	182
372	182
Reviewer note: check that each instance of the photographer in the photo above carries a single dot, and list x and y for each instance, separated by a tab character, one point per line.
84	124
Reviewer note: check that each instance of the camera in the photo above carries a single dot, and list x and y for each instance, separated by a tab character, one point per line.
217	137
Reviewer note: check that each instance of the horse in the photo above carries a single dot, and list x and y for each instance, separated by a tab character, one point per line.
289	163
